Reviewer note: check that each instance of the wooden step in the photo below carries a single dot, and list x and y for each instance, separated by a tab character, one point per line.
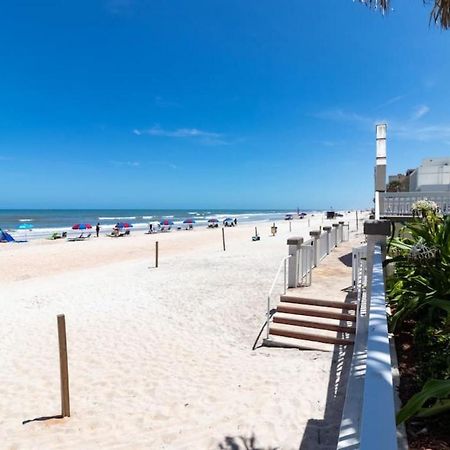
316	312
317	302
307	336
300	322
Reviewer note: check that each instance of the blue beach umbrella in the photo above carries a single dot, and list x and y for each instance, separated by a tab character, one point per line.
189	221
166	222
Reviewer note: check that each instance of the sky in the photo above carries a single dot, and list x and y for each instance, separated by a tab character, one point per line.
214	103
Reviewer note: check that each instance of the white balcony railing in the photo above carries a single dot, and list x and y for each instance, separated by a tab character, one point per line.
398	204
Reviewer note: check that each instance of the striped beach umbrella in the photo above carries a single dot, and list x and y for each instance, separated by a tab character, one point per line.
81	226
124	225
166	222
189	221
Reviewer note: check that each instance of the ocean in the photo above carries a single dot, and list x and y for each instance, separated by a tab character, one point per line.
44	221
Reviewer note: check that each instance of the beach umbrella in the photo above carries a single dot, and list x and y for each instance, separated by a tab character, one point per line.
124	225
214	220
26	226
189	221
166	222
81	226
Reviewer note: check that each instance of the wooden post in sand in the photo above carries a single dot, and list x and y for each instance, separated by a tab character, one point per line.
156	253
357	225
223	238
63	366
290	226
256	231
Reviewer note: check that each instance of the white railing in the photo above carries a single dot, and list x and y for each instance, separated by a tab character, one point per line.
400	203
283	265
306	263
358	255
368	418
332	238
346	232
323	245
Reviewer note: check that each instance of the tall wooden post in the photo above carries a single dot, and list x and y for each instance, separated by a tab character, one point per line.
223	238
63	366
156	253
357	221
290	226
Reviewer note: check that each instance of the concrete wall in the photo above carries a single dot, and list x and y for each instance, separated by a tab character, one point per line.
432	175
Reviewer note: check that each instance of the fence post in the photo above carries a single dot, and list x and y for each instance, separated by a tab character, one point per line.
223	238
341	231
316	247
294	244
328	231
63	366
335	231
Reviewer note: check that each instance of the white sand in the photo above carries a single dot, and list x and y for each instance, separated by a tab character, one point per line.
158	358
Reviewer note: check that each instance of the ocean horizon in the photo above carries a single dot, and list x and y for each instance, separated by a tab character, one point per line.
58	219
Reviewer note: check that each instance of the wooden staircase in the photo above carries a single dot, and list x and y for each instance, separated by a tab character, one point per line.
312	323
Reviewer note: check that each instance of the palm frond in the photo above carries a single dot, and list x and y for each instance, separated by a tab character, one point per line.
440	14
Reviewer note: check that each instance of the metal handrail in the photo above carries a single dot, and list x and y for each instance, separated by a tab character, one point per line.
283	262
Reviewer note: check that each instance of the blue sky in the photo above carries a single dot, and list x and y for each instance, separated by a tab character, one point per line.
214	103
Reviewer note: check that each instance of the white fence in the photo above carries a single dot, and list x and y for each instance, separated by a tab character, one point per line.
368	418
306	263
323	245
393	204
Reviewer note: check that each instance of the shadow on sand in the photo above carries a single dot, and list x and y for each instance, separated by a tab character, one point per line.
242	443
323	433
42	419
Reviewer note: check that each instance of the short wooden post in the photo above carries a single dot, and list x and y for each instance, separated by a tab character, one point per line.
357	225
256	231
156	253
290	226
223	238
63	366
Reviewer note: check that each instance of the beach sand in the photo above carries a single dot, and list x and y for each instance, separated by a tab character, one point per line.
158	358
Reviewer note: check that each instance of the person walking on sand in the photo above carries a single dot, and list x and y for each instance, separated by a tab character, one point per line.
97	229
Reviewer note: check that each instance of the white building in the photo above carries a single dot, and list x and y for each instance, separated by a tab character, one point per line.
431	176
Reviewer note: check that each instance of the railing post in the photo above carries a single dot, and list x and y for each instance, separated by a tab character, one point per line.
341	231
294	244
335	231
315	235
328	231
376	232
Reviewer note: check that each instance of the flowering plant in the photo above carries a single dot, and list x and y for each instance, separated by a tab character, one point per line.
424	207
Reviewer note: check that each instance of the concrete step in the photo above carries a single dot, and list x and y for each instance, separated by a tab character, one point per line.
310	310
318	302
327	337
295	320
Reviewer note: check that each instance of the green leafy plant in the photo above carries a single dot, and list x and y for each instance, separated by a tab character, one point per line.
422	271
437	391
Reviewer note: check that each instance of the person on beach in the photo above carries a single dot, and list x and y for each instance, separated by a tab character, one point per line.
235	221
150	228
97	229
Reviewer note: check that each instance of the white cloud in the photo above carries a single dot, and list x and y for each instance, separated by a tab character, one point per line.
178	133
420	111
125	163
437	132
339	115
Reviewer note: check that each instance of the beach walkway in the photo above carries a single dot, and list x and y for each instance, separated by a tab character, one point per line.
322	314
